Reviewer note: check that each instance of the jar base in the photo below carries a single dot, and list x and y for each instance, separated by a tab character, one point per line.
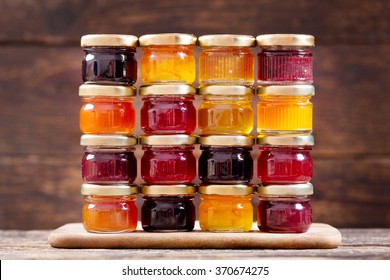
298	132
109	231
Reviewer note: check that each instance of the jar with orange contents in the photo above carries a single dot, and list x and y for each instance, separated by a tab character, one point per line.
107	109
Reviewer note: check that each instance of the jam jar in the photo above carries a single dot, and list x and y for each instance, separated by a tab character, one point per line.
168	58
107	109
225	110
225	159
285	110
226	208
168	208
109	208
108	159
285	59
109	59
168	159
168	109
285	159
284	208
226	59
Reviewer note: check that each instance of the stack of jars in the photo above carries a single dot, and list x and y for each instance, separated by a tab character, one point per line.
284	126
107	120
225	121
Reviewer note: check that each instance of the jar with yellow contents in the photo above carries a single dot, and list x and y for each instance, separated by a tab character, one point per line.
226	208
168	58
285	110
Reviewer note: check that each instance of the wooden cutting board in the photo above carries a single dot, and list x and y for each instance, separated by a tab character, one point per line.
319	236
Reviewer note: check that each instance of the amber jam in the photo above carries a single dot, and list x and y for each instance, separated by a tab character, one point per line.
168	109
226	159
168	208
284	208
109	208
109	59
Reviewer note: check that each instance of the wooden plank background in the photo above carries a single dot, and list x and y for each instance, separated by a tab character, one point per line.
40	72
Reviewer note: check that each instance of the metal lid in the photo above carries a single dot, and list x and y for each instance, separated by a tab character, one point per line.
226	40
167	39
103	90
304	140
226	90
108	190
168	140
226	140
107	140
108	40
167	90
293	90
285	40
226	189
285	190
168	189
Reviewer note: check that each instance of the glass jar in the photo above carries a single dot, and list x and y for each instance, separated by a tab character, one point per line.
168	159
107	109
285	59
109	208
285	159
226	59
285	110
168	58
109	59
226	208
284	208
168	208
226	159
168	109
108	159
225	110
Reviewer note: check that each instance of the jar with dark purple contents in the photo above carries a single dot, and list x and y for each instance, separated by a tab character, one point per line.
109	59
284	208
168	207
226	159
285	59
108	159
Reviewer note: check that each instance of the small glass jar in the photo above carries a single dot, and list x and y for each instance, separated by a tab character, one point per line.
226	208
285	59
226	59
168	58
109	59
285	110
168	208
285	159
225	110
226	159
168	109
108	159
109	208
107	109
168	159
284	208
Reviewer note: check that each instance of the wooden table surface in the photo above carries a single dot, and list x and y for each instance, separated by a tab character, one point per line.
356	244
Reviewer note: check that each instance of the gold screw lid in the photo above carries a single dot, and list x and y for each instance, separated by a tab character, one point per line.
167	39
168	189
285	190
292	90
285	40
226	90
168	140
226	40
104	90
304	140
108	190
167	90
226	140
108	40
107	140
226	189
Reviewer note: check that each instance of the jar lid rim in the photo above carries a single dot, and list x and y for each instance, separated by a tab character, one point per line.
174	89
301	140
90	90
168	139
226	140
225	90
167	39
226	40
108	140
108	40
290	90
285	190
168	189
108	190
229	190
285	40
